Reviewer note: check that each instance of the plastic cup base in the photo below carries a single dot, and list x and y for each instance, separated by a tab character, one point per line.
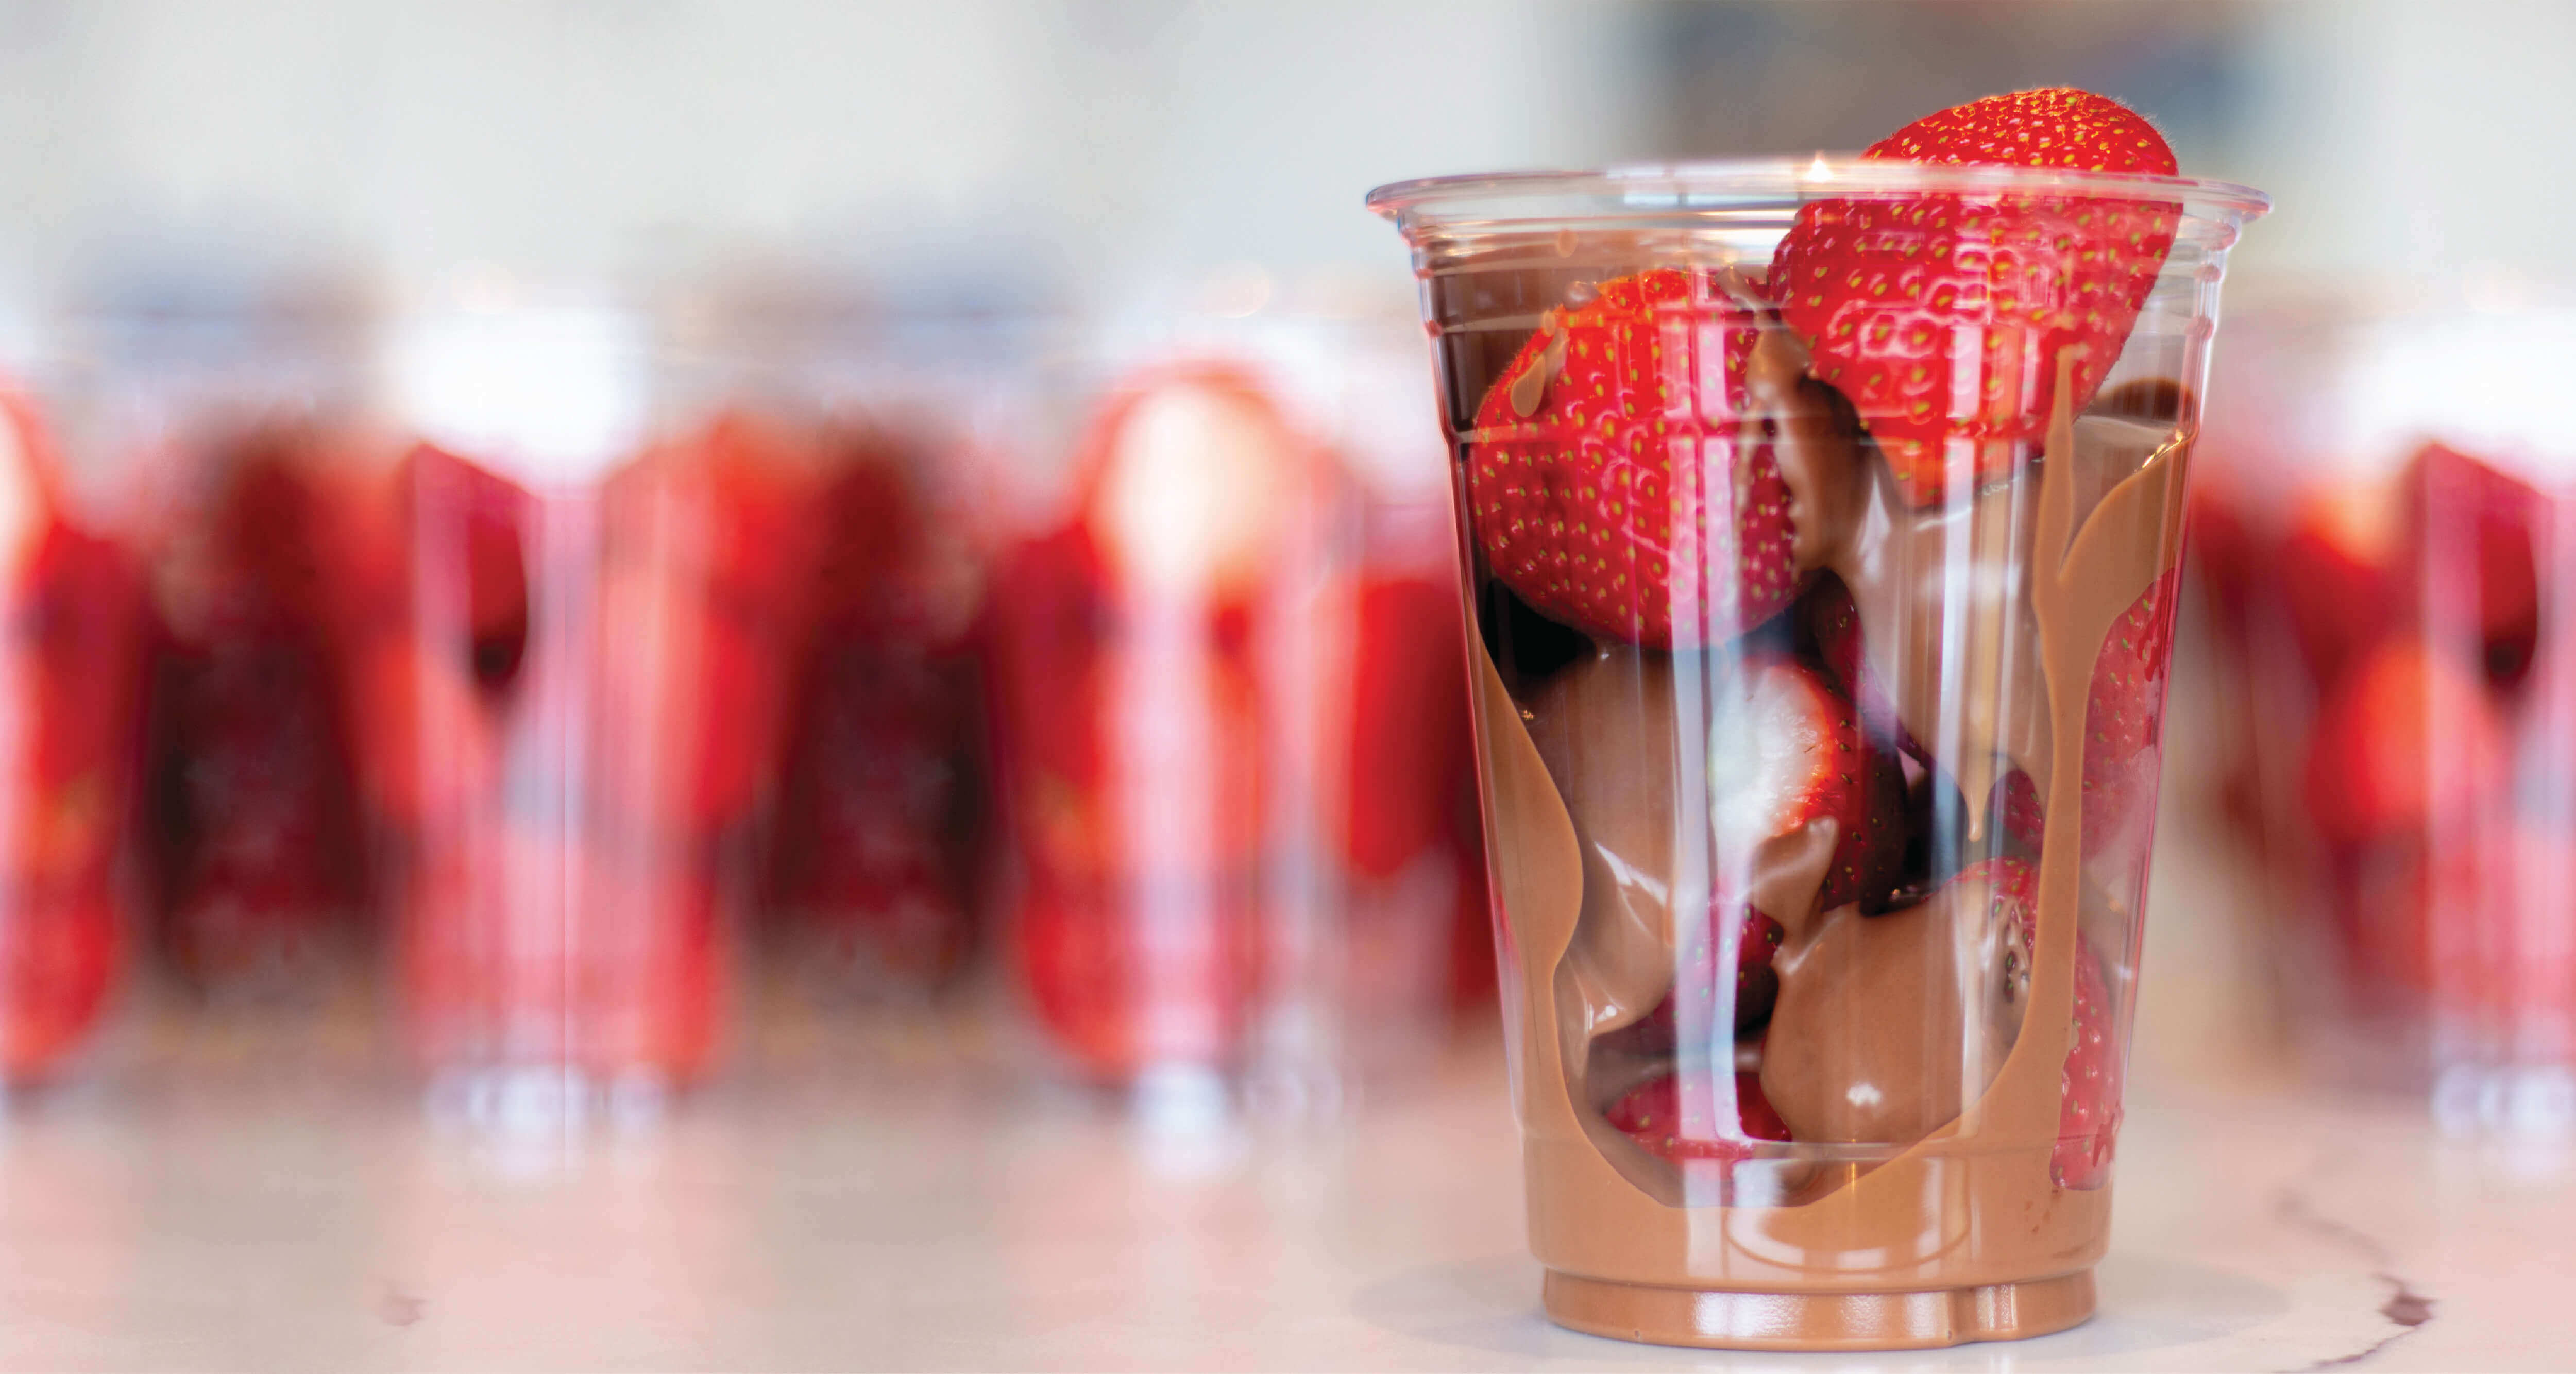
1818	1321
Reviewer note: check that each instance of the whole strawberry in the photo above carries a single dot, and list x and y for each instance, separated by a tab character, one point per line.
1577	501
1886	292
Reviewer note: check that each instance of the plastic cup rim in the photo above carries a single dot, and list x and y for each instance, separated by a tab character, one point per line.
1661	189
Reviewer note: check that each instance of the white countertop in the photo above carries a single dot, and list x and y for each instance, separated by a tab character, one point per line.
900	1199
908	1216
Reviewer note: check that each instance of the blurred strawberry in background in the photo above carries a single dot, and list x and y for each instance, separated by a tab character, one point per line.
874	843
73	604
570	705
253	853
2405	750
1147	662
1232	741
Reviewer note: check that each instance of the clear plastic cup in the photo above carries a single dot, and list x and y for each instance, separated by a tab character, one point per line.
2388	547
1230	742
871	844
569	619
1791	669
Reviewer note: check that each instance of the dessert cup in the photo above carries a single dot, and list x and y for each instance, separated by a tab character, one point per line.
2387	545
1229	717
1819	758
569	604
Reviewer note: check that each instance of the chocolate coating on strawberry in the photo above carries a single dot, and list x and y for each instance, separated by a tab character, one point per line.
1887	1025
1804	812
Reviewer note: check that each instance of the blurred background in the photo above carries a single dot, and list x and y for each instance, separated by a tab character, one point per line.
582	563
1083	153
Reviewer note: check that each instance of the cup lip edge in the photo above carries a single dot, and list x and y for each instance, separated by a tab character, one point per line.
1804	179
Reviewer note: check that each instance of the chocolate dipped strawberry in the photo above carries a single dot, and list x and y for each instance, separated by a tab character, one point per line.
1942	316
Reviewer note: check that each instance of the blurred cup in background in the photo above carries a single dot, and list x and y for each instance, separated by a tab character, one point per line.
2388	548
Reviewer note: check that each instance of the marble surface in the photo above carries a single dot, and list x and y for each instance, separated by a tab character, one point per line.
903	1215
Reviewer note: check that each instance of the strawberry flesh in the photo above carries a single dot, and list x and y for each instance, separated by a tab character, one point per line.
1794	753
2122	719
2477	530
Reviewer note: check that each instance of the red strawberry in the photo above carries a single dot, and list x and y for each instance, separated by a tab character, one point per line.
2121	722
2122	717
2017	814
1792	751
2408	735
2090	1112
1882	289
2088	1124
1577	501
2476	530
1757	945
1651	1115
1118	997
1410	739
1832	633
2227	553
470	525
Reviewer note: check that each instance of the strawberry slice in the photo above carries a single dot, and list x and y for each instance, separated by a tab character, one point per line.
1786	749
1883	290
2122	721
1651	1114
1578	503
2017	812
1410	738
